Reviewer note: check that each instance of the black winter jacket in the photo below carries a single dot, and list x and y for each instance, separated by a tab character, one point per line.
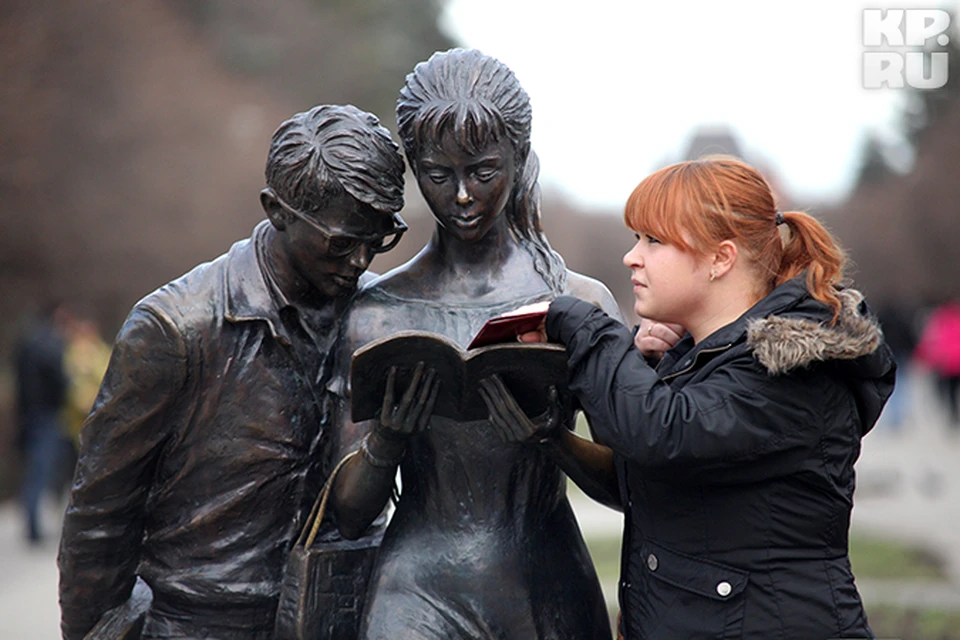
735	464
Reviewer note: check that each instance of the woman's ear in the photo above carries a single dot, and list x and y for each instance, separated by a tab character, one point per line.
275	213
723	258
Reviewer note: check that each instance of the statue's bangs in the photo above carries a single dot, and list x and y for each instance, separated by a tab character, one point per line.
472	125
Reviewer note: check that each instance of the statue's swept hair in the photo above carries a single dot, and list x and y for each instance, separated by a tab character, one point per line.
478	100
331	149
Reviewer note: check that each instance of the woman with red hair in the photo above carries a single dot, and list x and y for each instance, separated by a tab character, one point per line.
733	458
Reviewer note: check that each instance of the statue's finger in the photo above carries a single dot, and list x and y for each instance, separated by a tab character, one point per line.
429	404
426	388
494	401
511	415
553	396
414	385
387	409
416	412
507	399
493	418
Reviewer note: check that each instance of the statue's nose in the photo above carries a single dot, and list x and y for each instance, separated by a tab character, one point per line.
463	196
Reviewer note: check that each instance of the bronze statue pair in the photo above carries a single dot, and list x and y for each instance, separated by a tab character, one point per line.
220	414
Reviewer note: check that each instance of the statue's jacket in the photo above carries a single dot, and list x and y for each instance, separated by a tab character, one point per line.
194	468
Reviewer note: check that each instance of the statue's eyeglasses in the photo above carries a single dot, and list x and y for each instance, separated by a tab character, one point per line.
343	244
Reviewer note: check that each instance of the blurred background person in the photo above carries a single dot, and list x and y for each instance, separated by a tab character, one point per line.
896	321
939	350
85	360
41	394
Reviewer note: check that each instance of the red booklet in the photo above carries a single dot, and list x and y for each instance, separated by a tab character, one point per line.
506	327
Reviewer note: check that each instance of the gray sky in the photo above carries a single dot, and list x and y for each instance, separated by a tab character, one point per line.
617	86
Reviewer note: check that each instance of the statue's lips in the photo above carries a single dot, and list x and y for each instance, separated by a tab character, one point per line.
344	281
466	221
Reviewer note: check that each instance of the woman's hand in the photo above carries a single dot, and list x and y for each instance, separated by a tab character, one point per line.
511	423
397	422
654	338
539	335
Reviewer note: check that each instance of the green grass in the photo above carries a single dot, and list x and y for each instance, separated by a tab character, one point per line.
913	624
605	552
882	559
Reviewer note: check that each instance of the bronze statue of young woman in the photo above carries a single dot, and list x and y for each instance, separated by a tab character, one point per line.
483	542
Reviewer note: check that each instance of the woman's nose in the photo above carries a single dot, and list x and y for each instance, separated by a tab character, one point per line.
631	258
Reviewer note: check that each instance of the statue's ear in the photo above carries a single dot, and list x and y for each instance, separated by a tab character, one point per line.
275	213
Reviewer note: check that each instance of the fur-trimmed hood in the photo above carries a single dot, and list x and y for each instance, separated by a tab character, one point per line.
782	343
797	332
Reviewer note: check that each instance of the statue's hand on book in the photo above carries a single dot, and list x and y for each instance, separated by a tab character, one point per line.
509	419
398	421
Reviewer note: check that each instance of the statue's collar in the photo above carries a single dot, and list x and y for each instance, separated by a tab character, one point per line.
248	292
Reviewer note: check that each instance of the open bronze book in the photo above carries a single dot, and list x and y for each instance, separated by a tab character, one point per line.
528	371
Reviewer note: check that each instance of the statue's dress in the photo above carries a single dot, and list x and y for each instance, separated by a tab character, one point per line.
483	542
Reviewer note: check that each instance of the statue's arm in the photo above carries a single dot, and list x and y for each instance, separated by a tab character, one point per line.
588	464
120	445
365	483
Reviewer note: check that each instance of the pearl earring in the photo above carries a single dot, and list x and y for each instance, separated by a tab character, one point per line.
713	276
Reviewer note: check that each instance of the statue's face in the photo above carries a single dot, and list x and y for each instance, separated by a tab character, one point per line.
466	192
332	248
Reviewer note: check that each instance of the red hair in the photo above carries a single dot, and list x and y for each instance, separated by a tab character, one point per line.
698	204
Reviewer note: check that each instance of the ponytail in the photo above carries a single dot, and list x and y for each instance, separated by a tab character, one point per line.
809	247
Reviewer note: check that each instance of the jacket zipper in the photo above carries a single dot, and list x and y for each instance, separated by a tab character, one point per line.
695	359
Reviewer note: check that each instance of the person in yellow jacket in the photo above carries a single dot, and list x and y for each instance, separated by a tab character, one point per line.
85	361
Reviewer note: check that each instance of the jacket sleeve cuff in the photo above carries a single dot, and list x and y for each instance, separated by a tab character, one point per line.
565	315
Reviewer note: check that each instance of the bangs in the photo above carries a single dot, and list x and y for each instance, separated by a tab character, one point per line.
670	206
473	125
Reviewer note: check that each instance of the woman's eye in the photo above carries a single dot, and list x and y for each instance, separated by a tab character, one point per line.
485	175
437	176
652	240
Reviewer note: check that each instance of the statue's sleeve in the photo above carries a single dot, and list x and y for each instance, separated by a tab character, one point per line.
346	434
120	445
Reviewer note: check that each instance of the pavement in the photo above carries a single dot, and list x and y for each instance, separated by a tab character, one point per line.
28	577
908	489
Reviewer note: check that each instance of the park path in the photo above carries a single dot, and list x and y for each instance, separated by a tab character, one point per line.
908	489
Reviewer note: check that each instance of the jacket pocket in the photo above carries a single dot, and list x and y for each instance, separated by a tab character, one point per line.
706	598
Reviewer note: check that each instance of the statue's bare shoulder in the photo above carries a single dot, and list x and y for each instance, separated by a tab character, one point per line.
592	290
376	311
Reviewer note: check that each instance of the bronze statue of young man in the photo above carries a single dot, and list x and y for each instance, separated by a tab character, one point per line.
197	464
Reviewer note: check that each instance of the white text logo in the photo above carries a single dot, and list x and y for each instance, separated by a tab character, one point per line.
900	45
